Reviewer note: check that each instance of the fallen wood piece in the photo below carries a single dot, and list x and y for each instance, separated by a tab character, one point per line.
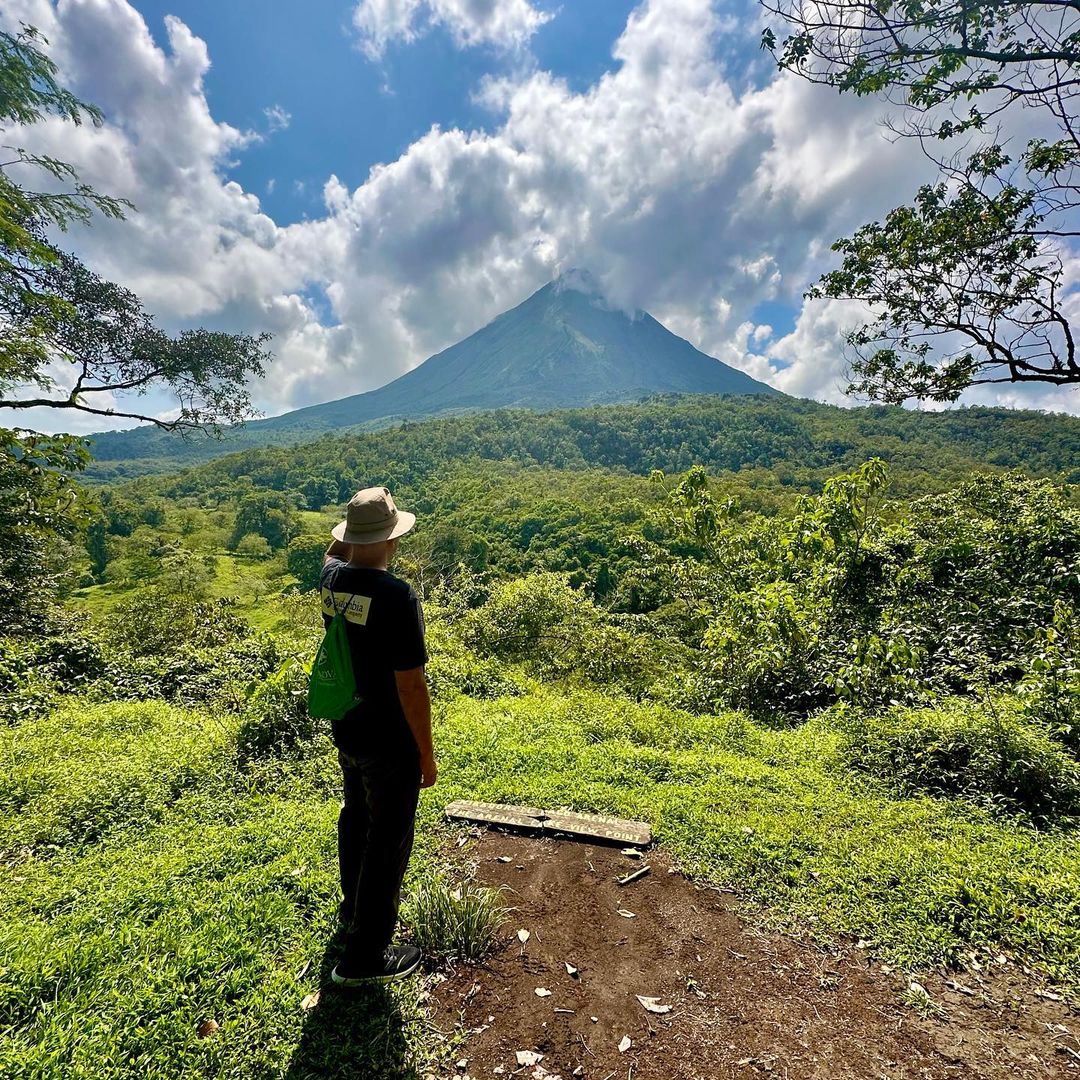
632	877
524	817
598	826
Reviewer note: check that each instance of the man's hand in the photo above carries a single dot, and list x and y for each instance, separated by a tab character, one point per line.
416	705
337	550
429	771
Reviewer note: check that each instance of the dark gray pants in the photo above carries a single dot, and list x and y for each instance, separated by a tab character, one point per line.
375	838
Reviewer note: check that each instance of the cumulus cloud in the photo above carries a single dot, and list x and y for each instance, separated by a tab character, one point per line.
506	24
686	192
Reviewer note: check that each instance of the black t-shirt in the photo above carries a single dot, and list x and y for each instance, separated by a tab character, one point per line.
385	627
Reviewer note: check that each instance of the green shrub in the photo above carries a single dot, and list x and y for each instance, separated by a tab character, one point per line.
962	748
1050	690
769	652
454	923
454	669
219	677
34	670
276	721
254	546
556	632
156	622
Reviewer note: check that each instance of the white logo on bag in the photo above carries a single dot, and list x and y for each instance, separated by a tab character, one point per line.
356	607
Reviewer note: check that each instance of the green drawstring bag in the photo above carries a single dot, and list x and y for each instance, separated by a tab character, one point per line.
332	686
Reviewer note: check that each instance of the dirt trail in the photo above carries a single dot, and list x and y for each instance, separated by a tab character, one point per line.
744	1003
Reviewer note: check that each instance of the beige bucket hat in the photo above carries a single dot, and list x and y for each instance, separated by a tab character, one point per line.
371	516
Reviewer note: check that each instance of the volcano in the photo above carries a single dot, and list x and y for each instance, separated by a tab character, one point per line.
565	346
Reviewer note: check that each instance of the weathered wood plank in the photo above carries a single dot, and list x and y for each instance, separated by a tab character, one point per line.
600	826
523	817
597	826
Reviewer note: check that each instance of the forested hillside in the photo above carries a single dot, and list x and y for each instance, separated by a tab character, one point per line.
787	436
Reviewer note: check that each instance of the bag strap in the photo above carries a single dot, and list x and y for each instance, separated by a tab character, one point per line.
333	598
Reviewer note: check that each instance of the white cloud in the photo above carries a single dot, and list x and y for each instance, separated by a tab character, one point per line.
277	118
506	24
686	193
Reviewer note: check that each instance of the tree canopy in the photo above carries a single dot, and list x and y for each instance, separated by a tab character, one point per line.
70	339
967	284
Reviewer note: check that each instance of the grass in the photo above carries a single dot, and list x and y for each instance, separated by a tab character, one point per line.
248	581
776	815
454	922
184	888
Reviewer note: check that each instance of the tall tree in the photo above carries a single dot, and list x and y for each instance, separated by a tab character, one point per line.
967	284
57	316
69	341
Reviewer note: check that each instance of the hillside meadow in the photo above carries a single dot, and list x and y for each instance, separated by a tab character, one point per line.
851	692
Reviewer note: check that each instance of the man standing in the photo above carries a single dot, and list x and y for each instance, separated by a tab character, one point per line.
384	742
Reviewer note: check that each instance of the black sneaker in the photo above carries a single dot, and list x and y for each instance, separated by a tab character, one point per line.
397	962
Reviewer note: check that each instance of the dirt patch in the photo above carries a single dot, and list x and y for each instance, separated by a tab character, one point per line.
743	1003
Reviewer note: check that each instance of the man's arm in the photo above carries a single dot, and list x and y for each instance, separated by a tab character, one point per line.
412	689
336	550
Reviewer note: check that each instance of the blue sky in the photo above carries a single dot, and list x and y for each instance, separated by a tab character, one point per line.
372	180
348	112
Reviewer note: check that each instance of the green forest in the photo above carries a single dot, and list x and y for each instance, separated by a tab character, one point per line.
831	656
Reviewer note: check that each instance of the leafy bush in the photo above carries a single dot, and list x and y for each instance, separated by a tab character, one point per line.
458	923
455	669
157	622
767	652
34	670
276	721
254	546
556	632
1050	690
220	677
974	573
962	748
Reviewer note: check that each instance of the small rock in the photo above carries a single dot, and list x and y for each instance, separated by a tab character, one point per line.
528	1057
625	914
571	970
523	936
540	991
625	1044
463	1064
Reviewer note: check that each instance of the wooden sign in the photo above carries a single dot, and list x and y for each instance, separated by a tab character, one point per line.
523	817
600	826
596	826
